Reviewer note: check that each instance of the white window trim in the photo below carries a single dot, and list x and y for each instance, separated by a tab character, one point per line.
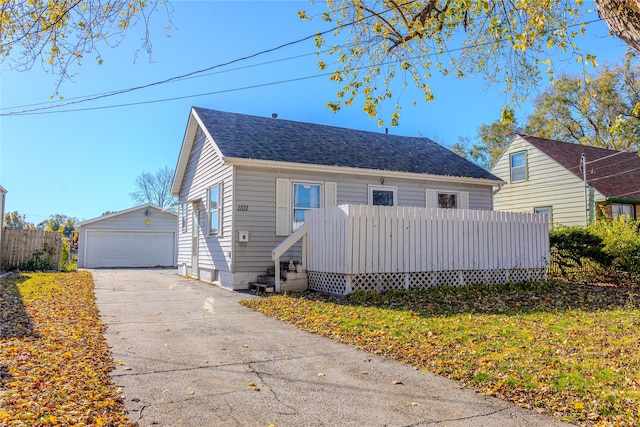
525	166
293	195
431	196
391	188
284	201
218	231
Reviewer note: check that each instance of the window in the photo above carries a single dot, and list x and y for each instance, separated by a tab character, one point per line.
380	195
518	166
622	210
293	199
305	196
448	200
215	209
183	217
545	210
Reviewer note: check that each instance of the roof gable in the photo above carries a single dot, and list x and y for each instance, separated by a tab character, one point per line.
261	138
150	206
615	174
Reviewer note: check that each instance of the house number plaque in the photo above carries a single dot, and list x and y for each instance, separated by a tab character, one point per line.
243	208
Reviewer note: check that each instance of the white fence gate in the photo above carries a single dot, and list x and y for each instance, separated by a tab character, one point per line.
376	248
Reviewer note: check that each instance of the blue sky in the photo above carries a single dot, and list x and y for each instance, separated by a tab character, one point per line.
82	163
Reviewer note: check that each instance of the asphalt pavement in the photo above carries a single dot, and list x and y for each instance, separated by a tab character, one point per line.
188	354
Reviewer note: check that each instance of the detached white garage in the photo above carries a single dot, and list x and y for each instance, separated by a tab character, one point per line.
143	236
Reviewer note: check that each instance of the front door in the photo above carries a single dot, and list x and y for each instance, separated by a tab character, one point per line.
195	241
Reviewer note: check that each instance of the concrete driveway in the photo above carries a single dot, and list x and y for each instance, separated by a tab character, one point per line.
187	354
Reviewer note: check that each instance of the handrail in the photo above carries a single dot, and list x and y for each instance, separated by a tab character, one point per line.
285	245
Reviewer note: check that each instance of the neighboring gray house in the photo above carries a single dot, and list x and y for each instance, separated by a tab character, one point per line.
244	183
143	236
548	176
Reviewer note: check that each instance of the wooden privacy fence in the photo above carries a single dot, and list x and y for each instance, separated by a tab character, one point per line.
377	248
19	246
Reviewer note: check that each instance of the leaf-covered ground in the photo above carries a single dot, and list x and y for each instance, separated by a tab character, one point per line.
54	360
570	351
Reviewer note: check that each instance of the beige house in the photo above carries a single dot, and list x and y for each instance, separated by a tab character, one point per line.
572	183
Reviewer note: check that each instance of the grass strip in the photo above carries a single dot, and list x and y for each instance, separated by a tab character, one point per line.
570	351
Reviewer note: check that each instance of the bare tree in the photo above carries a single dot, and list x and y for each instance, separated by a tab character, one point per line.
154	188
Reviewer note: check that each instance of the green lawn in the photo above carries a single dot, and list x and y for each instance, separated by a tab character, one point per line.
570	351
54	360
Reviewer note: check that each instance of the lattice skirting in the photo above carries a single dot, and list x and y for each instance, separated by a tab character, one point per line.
344	284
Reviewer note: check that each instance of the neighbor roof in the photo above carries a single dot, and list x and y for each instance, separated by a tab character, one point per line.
122	212
614	174
265	138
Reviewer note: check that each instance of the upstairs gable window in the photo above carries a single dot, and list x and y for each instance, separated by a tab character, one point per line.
518	165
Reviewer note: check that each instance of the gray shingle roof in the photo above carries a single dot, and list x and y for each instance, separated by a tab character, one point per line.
265	138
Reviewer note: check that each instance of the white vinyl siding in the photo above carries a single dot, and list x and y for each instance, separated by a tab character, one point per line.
204	169
548	184
266	194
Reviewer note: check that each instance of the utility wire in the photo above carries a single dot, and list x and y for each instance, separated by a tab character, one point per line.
198	73
193	73
179	97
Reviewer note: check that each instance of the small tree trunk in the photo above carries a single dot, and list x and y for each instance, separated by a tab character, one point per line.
623	18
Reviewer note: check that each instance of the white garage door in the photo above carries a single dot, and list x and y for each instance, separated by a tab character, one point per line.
129	249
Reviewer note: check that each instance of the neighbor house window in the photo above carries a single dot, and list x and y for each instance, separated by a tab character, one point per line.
622	210
183	217
518	163
380	195
305	196
545	210
215	209
448	200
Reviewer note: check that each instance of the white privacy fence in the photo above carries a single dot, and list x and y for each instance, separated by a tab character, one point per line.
376	248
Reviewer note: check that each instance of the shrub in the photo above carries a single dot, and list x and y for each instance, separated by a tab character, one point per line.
621	241
37	262
573	244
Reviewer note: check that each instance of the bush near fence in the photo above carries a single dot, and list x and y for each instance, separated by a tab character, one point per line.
31	249
606	250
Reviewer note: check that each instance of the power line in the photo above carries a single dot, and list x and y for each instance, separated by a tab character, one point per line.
180	97
193	73
198	74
